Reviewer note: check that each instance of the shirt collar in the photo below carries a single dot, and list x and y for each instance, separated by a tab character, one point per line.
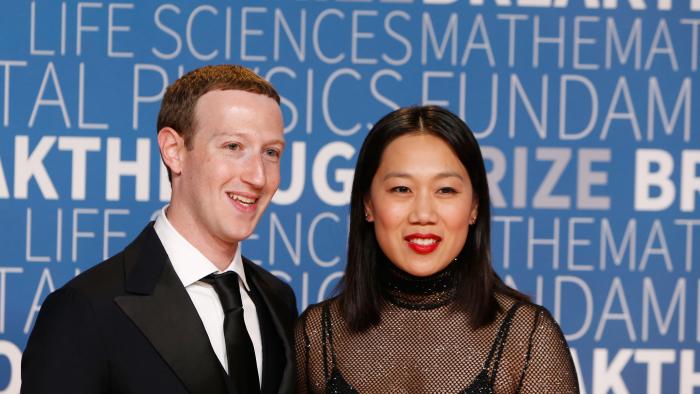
189	263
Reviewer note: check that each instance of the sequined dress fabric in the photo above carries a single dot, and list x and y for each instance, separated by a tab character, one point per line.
422	345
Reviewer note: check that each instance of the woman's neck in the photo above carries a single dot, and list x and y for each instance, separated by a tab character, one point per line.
418	292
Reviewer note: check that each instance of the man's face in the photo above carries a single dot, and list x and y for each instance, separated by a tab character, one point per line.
232	168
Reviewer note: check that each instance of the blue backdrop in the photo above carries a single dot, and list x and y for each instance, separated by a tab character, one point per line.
587	112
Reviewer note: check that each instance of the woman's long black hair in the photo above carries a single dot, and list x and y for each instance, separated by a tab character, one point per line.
477	283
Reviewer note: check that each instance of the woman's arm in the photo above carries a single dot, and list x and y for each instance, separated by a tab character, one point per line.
301	345
548	366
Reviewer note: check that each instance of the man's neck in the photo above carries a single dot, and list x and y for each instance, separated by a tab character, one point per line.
219	252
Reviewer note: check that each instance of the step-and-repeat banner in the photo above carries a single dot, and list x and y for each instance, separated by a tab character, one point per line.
586	110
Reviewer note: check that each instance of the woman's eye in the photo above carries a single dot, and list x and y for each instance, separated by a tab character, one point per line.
446	190
400	189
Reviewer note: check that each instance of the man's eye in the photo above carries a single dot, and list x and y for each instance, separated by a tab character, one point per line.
273	153
233	146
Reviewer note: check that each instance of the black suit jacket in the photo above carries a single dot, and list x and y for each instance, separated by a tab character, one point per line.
128	325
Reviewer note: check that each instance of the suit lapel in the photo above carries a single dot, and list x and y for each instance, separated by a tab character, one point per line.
160	307
281	319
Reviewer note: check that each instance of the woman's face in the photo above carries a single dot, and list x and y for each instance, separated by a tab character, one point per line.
421	202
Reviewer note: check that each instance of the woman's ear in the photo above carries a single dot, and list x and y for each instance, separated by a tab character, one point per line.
473	213
369	209
171	146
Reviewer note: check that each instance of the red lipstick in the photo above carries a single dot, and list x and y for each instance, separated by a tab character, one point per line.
423	243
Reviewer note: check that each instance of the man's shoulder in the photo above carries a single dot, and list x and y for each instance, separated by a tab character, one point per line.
261	273
107	278
270	284
100	278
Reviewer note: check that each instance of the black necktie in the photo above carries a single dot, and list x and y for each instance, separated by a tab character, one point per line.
242	368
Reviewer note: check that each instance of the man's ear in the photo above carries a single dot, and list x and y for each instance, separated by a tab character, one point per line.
172	146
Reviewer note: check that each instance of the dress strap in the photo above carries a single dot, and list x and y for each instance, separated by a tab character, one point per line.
307	346
499	342
329	358
528	356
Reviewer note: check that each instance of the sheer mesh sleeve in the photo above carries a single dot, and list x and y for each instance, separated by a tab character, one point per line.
546	366
301	346
309	354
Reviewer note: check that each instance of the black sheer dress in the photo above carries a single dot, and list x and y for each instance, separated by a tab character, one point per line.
422	345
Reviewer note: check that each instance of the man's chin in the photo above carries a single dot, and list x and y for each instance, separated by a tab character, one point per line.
238	236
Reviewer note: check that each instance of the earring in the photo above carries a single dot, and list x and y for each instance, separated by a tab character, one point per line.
472	220
367	218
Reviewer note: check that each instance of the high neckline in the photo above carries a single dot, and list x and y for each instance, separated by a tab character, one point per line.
418	292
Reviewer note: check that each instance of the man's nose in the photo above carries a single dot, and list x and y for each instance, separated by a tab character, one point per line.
254	172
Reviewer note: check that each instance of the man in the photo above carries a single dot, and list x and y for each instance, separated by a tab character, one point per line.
151	319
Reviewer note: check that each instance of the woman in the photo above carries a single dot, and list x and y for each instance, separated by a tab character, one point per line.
420	308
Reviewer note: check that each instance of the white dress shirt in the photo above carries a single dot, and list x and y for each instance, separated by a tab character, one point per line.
190	266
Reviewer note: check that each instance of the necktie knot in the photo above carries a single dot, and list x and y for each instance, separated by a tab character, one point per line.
226	287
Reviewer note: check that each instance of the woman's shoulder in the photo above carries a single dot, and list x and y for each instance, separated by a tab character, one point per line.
314	323
508	303
536	340
525	314
530	321
315	312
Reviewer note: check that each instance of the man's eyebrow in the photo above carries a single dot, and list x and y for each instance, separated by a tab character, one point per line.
276	142
218	134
